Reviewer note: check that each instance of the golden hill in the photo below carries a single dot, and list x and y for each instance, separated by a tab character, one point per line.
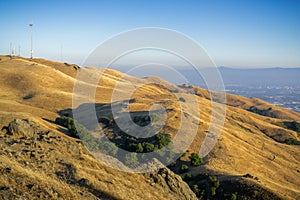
253	140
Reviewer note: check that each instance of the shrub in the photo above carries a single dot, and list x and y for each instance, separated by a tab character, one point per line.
73	128
132	147
187	176
139	148
233	196
184	168
63	121
213	191
196	190
248	175
154	117
181	99
294	125
162	140
131	159
148	147
108	148
196	160
213	180
93	144
292	141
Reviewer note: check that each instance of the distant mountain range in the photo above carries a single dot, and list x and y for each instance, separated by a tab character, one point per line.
250	77
231	76
279	86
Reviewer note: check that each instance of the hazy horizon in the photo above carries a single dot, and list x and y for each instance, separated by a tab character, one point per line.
247	34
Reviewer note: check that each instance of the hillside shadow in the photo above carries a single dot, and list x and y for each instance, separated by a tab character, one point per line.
116	114
208	184
206	180
60	129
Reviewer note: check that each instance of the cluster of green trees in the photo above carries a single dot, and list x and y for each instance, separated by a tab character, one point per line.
195	160
160	144
291	141
147	145
94	144
209	188
204	185
133	145
69	123
293	125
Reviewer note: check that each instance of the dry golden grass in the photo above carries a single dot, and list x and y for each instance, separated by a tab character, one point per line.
244	147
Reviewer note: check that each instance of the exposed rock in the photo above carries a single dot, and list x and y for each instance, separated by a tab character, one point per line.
170	181
23	127
25	131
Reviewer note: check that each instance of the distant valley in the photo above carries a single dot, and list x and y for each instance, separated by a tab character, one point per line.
278	86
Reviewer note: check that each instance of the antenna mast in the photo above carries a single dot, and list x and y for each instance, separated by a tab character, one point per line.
31	25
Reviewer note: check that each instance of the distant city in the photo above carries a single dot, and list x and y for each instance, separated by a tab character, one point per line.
284	96
278	86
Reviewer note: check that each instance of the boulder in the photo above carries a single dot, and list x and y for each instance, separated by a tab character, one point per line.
170	181
23	128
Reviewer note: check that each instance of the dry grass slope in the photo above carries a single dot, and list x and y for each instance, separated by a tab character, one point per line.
38	89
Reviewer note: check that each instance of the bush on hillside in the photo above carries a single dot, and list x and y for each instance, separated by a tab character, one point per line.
184	168
196	160
131	159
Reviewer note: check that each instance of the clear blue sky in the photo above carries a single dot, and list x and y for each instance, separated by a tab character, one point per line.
254	33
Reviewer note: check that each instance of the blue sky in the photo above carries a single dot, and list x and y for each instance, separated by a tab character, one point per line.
257	33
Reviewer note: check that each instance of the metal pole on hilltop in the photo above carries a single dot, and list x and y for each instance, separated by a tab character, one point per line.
31	52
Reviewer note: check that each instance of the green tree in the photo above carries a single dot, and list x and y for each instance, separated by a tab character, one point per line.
213	191
233	196
162	140
184	168
187	176
196	160
69	123
196	190
139	148
148	146
295	126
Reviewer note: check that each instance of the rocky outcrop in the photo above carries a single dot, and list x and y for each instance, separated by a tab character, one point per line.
23	127
42	164
172	182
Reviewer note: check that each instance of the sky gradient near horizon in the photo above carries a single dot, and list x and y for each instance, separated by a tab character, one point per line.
244	34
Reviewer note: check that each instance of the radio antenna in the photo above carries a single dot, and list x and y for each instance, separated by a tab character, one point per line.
31	51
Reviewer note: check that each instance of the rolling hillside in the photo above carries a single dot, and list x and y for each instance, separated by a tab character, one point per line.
257	138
